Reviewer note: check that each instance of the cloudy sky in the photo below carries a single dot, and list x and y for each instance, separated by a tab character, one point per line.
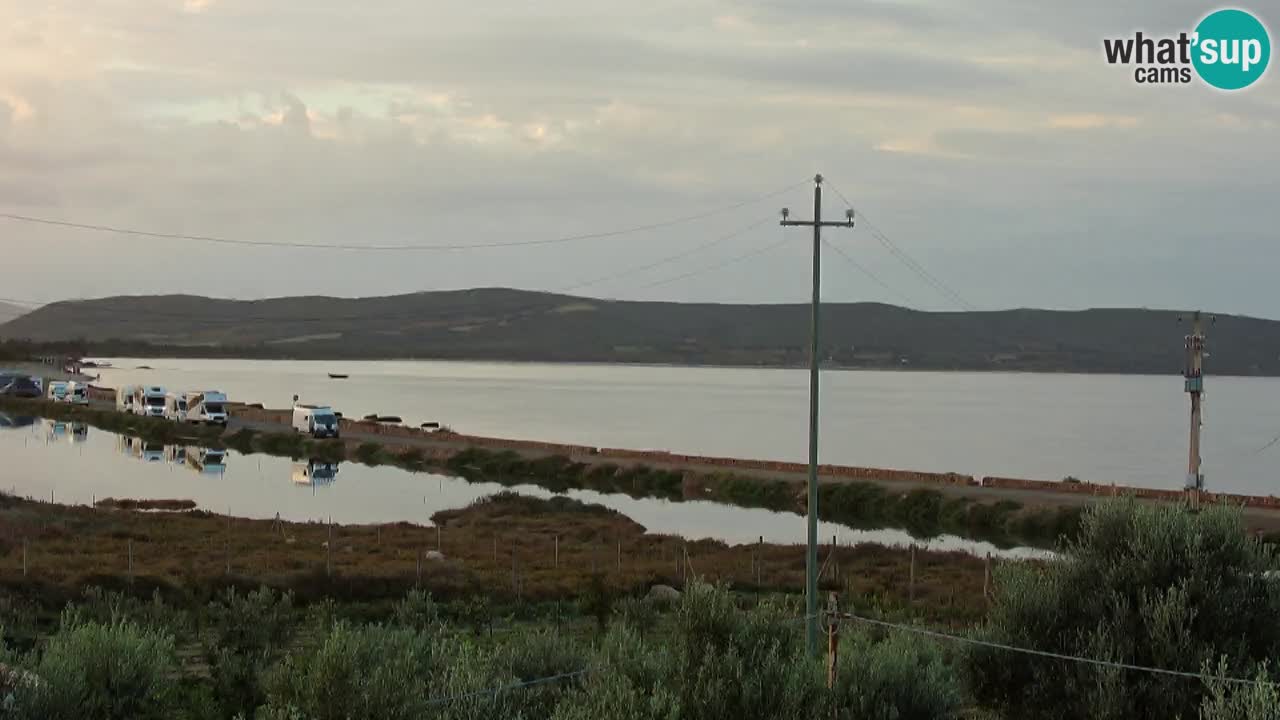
987	139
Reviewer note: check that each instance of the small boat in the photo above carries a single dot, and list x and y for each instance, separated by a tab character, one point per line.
337	376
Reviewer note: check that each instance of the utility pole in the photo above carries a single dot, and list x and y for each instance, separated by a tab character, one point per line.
811	553
1194	385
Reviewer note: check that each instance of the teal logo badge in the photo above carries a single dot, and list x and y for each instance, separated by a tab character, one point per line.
1229	50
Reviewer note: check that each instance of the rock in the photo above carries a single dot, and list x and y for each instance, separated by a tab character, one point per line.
435	555
663	593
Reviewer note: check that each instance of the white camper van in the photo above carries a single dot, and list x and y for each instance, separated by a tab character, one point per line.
207	406
77	393
124	398
318	421
315	473
149	400
175	407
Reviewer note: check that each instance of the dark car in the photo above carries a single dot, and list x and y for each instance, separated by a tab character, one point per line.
21	387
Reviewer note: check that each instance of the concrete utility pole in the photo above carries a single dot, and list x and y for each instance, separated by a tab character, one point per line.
811	554
1194	385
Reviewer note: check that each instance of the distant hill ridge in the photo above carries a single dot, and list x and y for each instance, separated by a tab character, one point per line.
506	324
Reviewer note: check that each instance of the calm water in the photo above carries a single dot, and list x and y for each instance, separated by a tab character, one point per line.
1102	428
79	464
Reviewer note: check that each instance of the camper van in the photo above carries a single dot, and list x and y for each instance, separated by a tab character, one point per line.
207	406
57	391
124	398
152	451
149	401
77	393
318	421
175	407
207	461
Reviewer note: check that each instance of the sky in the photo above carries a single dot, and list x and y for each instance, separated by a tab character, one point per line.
988	140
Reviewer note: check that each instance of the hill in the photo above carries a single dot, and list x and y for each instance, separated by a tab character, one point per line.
503	324
9	312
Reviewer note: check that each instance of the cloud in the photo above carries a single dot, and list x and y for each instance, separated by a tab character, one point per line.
1091	121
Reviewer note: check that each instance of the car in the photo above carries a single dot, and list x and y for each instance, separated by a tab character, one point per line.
20	387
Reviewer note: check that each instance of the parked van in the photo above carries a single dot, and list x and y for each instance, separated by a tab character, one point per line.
124	398
318	421
175	407
207	406
57	391
149	401
207	461
77	393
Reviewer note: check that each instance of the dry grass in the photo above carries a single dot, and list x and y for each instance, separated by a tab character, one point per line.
507	548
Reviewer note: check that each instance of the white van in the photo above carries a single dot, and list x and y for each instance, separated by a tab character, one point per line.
207	406
149	401
175	407
77	393
314	473
318	421
124	398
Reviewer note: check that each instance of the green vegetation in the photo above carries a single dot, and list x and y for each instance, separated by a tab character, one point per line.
1154	586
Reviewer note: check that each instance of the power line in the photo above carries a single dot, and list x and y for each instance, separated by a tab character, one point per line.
1042	653
910	262
670	258
710	268
393	248
865	271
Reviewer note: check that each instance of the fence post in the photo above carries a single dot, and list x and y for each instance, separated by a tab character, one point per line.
328	551
24	557
760	561
556	560
495	549
986	578
835	559
911	577
833	641
130	545
619	555
439	546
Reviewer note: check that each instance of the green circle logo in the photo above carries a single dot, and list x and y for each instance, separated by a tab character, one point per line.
1232	49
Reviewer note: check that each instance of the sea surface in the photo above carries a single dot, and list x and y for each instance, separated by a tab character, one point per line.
1122	429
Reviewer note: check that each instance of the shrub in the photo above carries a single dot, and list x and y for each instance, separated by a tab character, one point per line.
1150	585
246	635
368	453
91	671
416	611
898	678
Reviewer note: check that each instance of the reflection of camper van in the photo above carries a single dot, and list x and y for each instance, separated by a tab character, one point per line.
207	406
175	407
317	421
208	461
124	398
315	472
152	452
57	429
149	401
77	393
176	454
130	446
57	391
79	432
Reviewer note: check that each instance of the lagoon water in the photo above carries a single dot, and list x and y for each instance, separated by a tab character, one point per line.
73	463
1122	429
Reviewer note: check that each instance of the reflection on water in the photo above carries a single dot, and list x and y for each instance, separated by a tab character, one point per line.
102	464
8	421
62	431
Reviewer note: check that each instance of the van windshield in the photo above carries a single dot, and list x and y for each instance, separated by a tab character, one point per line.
326	418
155	401
213	407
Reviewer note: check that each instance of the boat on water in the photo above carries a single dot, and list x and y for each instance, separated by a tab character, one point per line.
337	376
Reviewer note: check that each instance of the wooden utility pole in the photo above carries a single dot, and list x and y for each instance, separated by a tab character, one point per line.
833	641
1193	373
811	555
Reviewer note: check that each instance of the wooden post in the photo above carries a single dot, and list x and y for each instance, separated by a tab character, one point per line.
760	561
835	559
986	578
495	549
911	577
130	546
439	545
328	551
833	641
619	555
557	554
24	557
